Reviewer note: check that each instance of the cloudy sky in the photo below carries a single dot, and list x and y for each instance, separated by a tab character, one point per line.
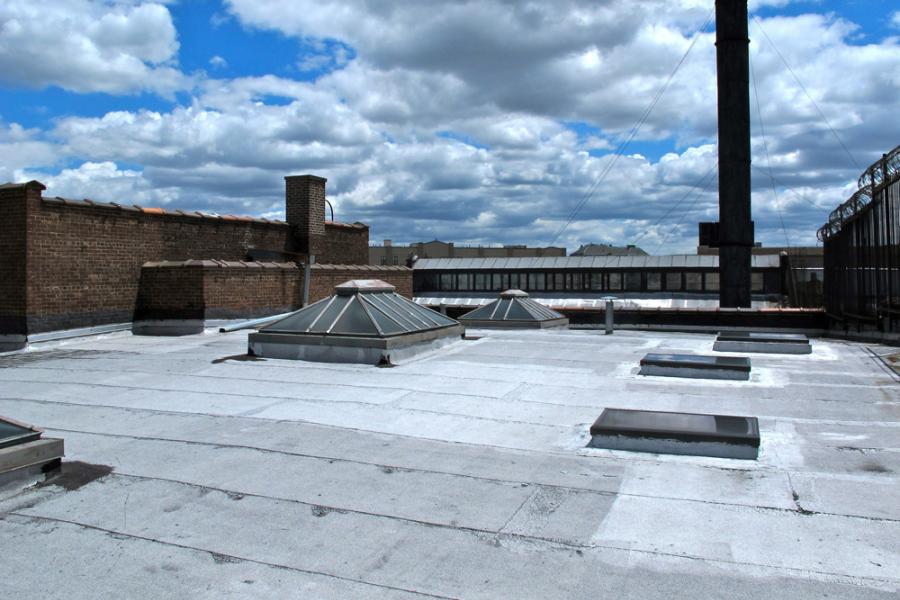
484	121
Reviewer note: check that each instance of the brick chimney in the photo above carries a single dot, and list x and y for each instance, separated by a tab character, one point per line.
305	211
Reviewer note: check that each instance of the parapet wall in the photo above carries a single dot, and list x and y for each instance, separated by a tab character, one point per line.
84	260
345	244
215	289
13	240
68	264
325	277
187	293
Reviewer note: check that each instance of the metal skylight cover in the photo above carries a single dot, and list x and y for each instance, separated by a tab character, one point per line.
513	305
362	308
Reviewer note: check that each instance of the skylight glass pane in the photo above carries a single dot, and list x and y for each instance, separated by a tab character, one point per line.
482	312
355	321
378	301
330	314
518	313
300	320
425	317
12	434
388	325
435	317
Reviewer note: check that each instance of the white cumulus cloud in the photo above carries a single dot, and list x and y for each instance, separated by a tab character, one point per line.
89	46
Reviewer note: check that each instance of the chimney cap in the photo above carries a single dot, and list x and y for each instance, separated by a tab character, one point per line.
302	177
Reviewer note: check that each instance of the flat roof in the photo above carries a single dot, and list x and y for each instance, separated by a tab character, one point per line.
672	261
464	473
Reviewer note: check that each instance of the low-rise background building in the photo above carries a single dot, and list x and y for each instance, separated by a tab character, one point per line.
402	254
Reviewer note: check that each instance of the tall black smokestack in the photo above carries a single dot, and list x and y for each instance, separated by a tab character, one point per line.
735	226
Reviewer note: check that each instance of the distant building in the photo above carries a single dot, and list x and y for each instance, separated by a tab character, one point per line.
389	254
608	250
759	250
803	267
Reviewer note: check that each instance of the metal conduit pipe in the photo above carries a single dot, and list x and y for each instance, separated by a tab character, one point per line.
253	322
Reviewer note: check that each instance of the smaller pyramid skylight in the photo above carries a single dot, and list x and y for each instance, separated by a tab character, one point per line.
514	309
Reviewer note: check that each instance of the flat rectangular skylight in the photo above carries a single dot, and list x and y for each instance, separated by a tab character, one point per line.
722	436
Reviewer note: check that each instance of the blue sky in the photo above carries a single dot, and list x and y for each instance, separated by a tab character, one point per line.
479	122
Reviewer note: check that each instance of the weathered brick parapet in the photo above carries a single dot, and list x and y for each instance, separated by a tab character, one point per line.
72	264
325	277
15	200
345	243
215	289
179	297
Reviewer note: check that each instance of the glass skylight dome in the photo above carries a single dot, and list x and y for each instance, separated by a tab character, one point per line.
514	309
364	321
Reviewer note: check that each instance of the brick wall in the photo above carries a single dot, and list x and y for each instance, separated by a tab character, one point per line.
206	289
325	277
170	290
14	200
67	264
84	262
248	290
209	289
345	244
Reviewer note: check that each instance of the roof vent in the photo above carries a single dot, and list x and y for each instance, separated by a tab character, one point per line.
365	321
514	310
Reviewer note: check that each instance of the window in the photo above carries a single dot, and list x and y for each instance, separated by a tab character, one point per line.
632	281
481	280
465	281
693	282
497	282
596	281
654	282
558	281
536	281
673	281
447	282
384	260
615	281
504	282
396	260
712	282
756	282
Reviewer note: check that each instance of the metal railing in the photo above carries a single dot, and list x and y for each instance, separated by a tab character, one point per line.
862	250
